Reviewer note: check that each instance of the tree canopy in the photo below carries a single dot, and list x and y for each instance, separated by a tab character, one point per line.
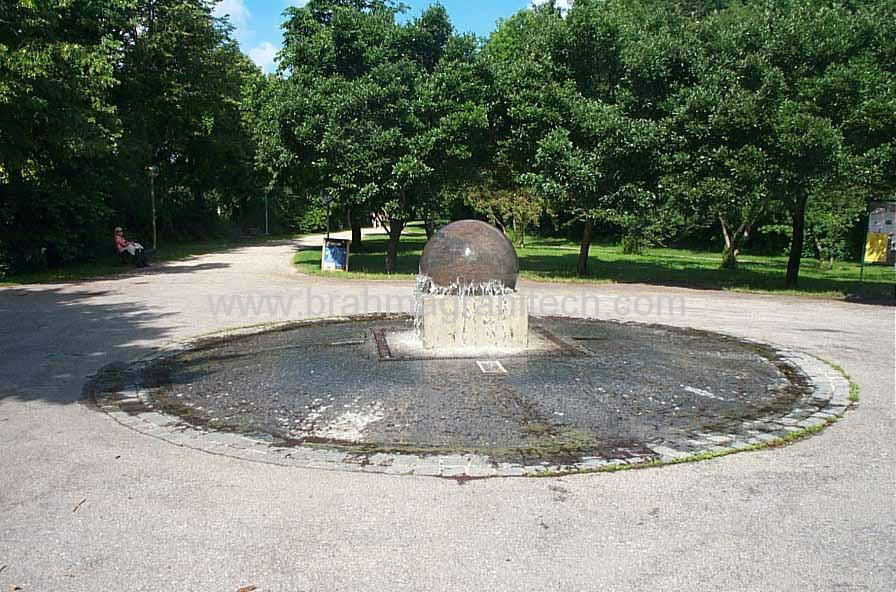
93	92
655	122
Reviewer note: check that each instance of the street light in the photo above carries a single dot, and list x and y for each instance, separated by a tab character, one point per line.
267	228
153	172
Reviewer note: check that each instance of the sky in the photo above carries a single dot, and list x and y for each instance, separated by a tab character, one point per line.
257	22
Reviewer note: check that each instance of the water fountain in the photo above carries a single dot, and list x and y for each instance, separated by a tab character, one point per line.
466	291
471	384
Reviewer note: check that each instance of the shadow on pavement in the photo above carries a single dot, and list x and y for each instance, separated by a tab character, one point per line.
167	268
54	339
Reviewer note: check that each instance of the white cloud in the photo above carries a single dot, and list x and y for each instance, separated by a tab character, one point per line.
263	55
238	13
561	4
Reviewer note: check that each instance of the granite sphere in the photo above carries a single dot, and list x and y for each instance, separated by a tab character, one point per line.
470	253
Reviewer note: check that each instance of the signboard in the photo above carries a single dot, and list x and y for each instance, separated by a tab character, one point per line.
335	254
880	244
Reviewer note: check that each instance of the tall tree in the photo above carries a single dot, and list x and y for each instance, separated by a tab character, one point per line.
379	114
600	167
787	97
57	123
179	103
581	109
719	164
529	90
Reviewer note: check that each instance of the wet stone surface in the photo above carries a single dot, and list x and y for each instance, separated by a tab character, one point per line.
617	391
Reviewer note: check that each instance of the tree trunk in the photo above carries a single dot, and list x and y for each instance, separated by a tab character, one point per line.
430	226
796	243
586	246
395	228
819	253
355	222
519	232
733	243
729	258
729	255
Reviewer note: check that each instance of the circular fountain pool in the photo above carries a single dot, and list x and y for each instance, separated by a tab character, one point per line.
585	394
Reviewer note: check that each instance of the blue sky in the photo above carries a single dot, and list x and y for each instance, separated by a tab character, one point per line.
257	22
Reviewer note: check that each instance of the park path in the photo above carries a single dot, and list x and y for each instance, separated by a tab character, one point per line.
89	505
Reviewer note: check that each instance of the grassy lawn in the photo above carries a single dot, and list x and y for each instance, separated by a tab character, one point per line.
555	260
111	265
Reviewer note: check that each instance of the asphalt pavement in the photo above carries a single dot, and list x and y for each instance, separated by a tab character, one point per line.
88	504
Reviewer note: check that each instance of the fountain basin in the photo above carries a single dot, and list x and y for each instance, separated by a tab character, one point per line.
335	384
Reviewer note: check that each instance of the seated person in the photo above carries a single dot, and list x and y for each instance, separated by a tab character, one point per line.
135	250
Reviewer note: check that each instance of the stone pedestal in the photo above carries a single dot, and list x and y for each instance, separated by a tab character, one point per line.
486	322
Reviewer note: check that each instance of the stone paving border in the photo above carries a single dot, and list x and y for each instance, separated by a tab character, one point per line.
828	399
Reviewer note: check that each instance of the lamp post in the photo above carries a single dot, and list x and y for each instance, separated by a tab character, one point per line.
267	229
153	171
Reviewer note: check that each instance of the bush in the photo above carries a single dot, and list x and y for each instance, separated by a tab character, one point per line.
634	244
312	218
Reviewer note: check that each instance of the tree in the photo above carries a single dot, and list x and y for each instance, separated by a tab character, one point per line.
779	109
528	91
517	208
57	122
600	169
718	168
382	115
445	125
806	155
822	58
181	80
573	124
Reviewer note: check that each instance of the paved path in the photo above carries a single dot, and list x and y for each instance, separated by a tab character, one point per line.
87	504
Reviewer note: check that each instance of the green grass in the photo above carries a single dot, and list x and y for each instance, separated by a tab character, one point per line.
553	259
112	265
784	440
854	391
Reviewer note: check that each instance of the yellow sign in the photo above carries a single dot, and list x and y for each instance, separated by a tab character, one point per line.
876	247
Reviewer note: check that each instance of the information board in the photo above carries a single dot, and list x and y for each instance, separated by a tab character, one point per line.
335	254
880	244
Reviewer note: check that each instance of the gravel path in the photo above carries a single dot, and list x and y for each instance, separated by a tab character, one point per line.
90	505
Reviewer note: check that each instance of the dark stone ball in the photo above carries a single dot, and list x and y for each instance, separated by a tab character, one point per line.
470	252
